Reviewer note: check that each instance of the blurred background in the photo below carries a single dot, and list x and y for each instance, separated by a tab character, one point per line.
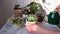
6	7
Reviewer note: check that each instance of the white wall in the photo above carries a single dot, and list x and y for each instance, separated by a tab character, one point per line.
23	3
50	5
8	7
26	2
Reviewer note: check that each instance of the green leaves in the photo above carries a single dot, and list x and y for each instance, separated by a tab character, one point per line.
16	21
33	6
31	18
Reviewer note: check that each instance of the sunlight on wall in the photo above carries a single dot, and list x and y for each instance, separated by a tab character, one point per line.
49	5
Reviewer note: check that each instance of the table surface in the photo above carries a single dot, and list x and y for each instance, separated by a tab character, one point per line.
8	28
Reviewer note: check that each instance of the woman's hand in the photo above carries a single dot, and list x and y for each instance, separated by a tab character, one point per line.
38	29
32	27
29	27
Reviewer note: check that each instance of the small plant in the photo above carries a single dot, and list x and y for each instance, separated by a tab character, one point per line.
16	21
31	18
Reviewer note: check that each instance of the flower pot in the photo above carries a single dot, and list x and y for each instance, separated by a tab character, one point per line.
31	19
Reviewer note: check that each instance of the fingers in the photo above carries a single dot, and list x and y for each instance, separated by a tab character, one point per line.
32	27
29	27
35	28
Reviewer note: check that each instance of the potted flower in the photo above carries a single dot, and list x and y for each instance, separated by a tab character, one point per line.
31	19
33	6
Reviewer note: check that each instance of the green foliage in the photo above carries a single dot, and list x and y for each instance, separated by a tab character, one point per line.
31	18
33	7
16	21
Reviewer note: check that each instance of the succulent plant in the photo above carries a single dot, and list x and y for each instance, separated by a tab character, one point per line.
31	18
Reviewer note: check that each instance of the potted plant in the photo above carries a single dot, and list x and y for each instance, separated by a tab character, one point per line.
33	6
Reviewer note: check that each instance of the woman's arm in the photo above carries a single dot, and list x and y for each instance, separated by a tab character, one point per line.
38	29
